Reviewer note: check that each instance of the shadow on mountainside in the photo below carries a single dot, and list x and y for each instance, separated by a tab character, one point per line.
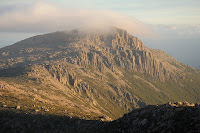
21	122
152	118
13	71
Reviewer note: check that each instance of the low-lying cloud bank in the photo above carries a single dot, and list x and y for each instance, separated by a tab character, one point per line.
44	17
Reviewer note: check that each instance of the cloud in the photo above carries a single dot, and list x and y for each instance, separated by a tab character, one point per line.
44	17
178	31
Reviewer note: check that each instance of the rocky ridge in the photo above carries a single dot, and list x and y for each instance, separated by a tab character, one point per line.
117	48
170	117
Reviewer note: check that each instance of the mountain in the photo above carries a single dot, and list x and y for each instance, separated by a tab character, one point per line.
91	75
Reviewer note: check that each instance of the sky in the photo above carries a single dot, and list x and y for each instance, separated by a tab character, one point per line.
170	25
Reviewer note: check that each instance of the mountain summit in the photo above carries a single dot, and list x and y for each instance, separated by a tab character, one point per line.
92	75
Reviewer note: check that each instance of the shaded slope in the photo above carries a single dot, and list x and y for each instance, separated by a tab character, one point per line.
162	118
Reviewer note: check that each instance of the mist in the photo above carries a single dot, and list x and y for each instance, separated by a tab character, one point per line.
44	17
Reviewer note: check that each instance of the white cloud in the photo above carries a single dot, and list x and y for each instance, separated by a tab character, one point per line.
44	17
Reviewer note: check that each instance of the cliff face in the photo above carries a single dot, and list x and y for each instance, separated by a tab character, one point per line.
101	74
116	48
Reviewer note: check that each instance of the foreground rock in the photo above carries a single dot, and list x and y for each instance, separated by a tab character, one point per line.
172	117
152	118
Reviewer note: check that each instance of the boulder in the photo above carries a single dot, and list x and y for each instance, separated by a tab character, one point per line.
18	107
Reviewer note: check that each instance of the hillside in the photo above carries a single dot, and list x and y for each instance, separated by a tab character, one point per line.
91	75
180	117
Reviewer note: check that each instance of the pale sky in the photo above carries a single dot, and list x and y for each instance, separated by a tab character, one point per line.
148	11
170	25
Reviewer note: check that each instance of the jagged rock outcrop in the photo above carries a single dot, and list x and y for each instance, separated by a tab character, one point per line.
118	47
